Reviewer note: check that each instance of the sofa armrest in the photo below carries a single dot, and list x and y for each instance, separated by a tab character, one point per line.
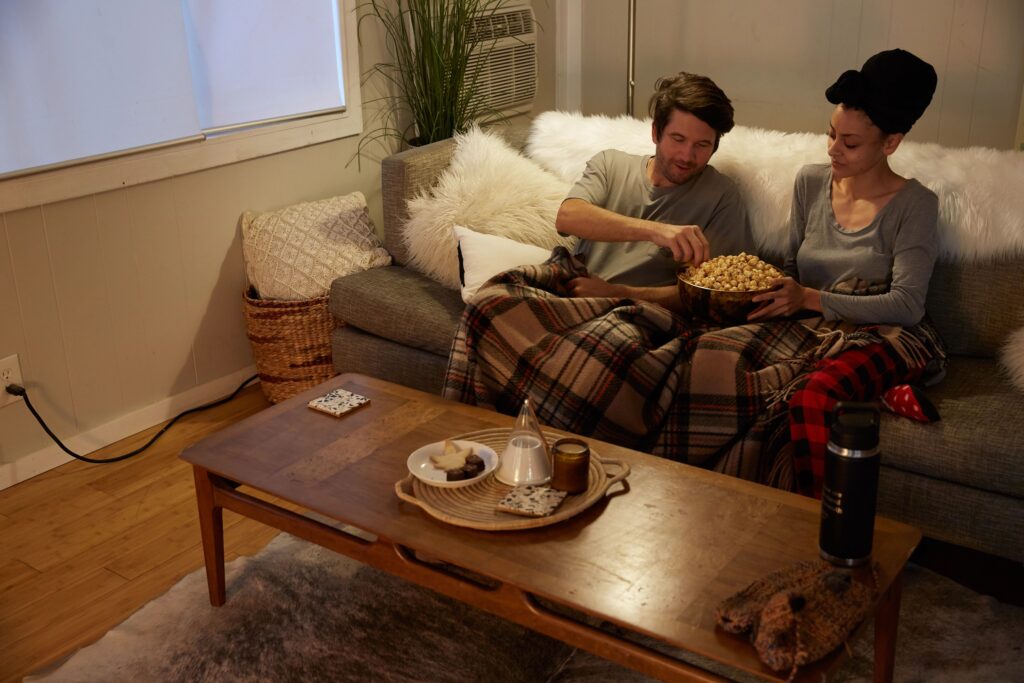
404	176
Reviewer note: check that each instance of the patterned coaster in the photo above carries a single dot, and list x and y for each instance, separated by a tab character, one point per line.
338	402
531	500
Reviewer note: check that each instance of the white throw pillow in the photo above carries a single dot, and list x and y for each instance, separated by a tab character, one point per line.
296	252
489	188
484	256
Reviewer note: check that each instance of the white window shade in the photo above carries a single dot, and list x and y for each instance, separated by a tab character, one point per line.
74	83
81	79
239	74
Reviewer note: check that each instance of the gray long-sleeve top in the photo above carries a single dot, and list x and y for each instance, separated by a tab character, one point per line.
878	274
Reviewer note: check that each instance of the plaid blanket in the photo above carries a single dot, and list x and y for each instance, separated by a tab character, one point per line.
635	374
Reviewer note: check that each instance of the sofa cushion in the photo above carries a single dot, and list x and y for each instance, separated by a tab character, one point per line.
399	304
972	444
964	515
977	306
353	350
489	188
295	252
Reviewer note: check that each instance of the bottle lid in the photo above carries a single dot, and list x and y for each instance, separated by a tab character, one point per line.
855	426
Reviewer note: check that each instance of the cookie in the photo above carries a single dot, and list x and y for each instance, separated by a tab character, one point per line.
451	457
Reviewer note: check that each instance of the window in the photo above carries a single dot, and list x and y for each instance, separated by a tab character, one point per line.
130	91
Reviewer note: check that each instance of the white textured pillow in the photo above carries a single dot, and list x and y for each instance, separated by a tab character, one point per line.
1012	358
296	252
489	188
484	256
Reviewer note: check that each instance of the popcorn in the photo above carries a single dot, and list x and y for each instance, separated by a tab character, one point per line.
742	272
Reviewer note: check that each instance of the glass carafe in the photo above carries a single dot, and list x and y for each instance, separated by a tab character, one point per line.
525	459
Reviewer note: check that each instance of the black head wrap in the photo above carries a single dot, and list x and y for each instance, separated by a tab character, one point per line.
893	88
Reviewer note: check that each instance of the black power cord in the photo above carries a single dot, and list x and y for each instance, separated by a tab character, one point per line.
18	390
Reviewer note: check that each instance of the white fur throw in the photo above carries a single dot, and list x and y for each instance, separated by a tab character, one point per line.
563	142
1012	358
489	188
981	191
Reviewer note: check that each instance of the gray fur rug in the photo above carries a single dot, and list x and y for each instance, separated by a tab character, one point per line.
297	612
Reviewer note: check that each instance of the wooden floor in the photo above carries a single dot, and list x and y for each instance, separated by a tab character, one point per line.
83	546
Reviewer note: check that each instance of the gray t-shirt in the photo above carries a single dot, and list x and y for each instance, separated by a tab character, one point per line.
878	274
618	182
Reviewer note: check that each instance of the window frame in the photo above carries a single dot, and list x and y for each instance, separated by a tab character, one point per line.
125	170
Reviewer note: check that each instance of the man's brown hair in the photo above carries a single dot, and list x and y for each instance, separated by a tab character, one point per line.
697	95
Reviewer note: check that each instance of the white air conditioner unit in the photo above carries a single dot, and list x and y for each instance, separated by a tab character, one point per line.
508	78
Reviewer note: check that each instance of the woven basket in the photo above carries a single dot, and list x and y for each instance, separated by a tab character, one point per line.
291	343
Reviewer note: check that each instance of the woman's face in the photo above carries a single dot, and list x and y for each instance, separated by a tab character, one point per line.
855	144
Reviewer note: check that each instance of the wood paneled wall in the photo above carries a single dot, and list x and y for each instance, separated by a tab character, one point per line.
775	59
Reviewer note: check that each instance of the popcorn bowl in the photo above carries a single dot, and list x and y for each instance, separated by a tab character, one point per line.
718	306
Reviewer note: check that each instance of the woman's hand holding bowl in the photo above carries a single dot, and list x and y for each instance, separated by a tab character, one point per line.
786	298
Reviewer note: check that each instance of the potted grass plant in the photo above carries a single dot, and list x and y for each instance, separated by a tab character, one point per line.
430	89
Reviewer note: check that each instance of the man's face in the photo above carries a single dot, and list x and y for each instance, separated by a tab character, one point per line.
684	149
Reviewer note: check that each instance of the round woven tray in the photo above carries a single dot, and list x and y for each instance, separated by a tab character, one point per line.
475	506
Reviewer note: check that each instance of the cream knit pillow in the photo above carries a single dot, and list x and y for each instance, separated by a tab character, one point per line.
296	252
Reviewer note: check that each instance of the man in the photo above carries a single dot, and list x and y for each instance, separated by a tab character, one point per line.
639	217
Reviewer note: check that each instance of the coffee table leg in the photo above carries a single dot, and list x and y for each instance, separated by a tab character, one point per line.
211	524
886	621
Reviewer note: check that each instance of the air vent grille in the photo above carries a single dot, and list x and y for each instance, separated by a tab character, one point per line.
508	77
502	24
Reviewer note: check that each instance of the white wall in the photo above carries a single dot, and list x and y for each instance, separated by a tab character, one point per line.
116	301
775	59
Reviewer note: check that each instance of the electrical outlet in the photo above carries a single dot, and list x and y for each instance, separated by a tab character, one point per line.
10	373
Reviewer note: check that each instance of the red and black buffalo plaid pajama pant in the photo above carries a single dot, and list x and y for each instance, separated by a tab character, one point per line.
858	374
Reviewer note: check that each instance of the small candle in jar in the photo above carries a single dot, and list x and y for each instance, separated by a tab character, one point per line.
571	465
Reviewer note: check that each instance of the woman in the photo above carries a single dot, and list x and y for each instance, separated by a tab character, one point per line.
862	248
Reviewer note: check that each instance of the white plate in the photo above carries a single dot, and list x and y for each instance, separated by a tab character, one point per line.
422	467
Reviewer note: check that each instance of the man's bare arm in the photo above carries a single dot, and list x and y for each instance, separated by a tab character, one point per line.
581	218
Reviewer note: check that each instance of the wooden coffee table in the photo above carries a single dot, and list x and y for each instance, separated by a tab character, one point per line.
653	557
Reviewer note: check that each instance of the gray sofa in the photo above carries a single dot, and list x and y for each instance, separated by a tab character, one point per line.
961	480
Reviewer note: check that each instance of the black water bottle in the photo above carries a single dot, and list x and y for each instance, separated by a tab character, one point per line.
851	485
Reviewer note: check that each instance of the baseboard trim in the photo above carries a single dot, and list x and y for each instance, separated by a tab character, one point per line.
134	422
